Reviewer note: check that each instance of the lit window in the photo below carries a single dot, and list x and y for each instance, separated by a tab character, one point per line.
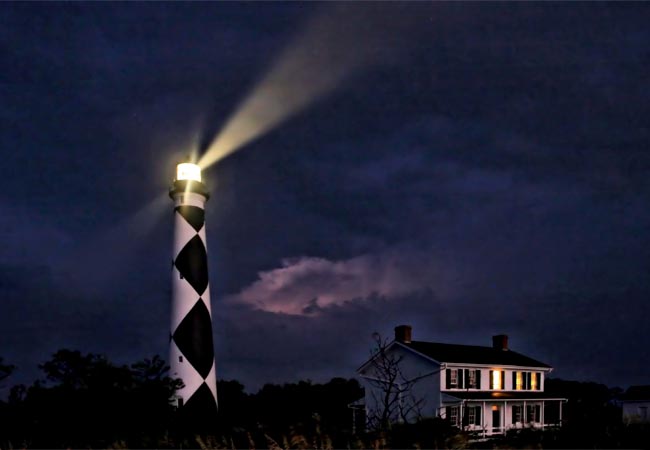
496	379
533	381
520	381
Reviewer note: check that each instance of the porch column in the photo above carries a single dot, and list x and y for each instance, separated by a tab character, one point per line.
525	414
483	421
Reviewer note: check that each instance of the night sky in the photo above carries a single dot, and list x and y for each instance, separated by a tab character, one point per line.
467	168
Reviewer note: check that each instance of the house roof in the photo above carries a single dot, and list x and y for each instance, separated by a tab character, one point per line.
636	393
472	354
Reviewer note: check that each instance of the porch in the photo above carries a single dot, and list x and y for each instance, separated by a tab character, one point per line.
488	414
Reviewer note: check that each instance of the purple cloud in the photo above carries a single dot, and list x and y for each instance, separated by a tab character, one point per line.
306	285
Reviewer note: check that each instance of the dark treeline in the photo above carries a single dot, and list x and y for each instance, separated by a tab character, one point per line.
85	401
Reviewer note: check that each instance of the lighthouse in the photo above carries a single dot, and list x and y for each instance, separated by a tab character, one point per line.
191	350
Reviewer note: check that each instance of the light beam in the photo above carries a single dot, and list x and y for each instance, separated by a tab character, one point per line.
334	45
112	249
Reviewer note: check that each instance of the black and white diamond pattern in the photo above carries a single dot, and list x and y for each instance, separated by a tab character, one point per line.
191	347
192	264
194	338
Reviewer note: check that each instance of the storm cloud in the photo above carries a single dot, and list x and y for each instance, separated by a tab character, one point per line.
489	176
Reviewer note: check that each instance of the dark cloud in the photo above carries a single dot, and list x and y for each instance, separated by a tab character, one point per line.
491	177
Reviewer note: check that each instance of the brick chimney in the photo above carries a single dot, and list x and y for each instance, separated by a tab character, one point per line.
500	342
403	333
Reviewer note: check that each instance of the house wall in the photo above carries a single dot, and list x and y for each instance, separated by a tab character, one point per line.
426	390
634	412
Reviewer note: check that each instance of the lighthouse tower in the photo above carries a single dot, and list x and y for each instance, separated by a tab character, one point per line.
191	349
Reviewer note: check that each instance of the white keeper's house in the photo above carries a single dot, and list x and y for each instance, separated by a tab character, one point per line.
484	390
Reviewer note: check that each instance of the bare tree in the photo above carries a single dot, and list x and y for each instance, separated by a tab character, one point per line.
392	391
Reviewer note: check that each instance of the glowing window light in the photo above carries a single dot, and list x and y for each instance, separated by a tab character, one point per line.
188	171
533	381
496	379
520	381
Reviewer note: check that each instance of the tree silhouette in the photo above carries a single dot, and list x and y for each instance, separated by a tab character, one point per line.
391	388
87	401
